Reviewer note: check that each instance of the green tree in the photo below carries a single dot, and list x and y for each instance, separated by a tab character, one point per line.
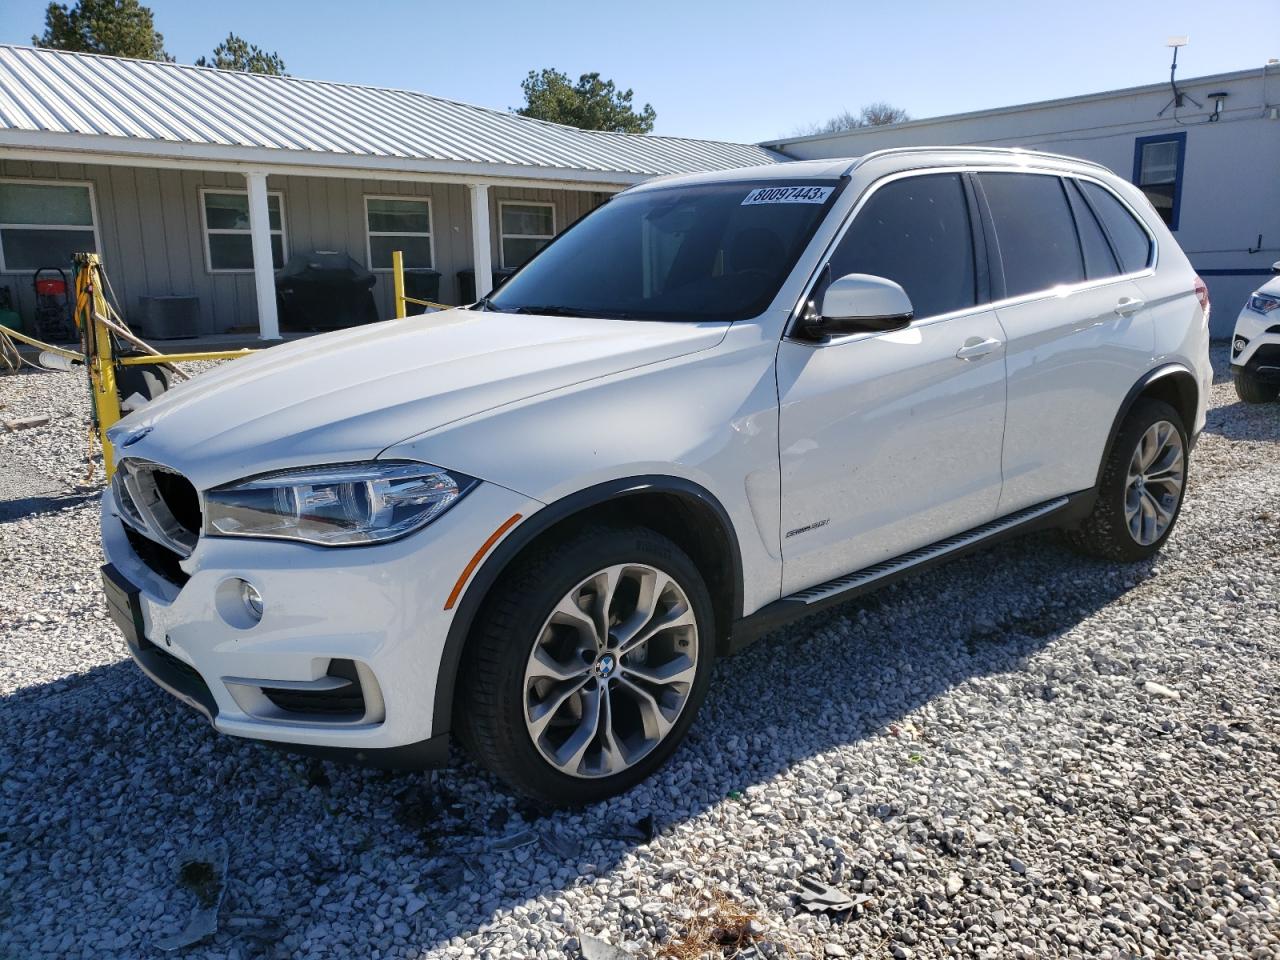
236	53
121	28
590	104
878	114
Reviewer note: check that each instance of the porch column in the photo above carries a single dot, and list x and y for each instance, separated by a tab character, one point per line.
264	274
482	256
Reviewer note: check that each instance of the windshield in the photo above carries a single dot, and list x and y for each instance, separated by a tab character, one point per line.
716	251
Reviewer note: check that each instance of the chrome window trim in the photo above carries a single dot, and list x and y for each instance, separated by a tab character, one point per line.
1062	291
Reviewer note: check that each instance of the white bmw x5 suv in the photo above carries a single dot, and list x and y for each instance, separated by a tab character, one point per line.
715	403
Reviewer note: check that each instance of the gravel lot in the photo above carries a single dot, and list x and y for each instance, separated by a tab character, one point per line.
1023	754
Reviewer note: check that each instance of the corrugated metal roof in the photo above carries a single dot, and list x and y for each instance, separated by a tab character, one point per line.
55	92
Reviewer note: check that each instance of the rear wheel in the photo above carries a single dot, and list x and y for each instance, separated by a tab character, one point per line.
588	665
1143	482
1252	390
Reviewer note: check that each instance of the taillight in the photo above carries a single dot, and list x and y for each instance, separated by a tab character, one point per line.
1202	294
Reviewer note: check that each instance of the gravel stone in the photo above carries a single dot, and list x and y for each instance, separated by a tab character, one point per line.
1009	708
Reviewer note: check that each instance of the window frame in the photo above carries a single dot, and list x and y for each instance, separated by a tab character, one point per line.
1139	144
503	236
93	215
988	247
370	234
206	231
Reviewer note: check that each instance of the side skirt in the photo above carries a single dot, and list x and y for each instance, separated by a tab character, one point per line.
1062	511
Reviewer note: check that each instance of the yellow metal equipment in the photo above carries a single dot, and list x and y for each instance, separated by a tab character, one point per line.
94	319
397	277
99	326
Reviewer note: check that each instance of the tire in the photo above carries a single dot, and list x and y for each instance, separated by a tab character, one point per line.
506	690
1108	532
1252	390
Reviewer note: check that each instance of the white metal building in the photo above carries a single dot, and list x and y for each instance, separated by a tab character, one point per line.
1211	166
199	182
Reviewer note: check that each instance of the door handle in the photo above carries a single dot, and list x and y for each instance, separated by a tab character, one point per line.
976	347
1128	306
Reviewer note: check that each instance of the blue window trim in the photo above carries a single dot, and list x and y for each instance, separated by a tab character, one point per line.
1180	139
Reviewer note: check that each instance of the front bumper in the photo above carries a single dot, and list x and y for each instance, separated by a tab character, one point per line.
380	607
1260	356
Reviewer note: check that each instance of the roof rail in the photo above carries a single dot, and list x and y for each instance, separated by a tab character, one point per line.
896	151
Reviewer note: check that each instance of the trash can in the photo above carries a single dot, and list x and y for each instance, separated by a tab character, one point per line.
324	290
467	282
421	283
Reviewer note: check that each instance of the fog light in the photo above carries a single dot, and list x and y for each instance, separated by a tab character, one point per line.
252	599
1239	345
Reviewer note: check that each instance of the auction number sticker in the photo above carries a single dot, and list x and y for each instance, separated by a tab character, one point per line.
788	195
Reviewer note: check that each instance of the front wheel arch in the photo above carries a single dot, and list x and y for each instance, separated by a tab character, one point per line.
715	549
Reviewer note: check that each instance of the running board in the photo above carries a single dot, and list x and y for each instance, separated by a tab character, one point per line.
812	599
936	551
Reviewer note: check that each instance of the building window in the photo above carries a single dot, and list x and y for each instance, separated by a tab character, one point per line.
526	229
1157	170
398	223
43	223
228	244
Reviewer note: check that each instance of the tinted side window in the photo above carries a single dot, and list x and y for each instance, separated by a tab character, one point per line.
915	232
1037	236
1131	242
1099	261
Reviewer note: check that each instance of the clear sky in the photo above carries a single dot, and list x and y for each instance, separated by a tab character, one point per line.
747	70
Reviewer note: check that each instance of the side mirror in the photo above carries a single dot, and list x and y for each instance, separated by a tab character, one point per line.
860	303
1275	267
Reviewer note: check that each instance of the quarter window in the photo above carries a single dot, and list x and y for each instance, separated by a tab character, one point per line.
526	229
44	224
915	232
1157	170
398	223
1099	261
228	242
1036	235
1131	242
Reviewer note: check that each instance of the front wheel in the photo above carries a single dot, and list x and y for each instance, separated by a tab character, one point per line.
588	665
1143	482
1252	390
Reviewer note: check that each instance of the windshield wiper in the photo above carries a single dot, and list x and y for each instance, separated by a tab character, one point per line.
484	303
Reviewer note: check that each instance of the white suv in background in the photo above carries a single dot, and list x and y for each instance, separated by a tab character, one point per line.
716	403
1255	346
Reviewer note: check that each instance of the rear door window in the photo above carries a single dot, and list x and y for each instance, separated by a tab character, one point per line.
1099	261
1131	242
915	232
1035	231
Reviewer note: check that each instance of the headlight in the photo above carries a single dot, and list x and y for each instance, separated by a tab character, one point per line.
1263	303
336	506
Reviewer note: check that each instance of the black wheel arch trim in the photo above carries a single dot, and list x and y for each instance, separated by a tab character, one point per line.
1137	390
529	529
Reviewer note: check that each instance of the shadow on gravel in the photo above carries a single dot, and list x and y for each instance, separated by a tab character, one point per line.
25	507
105	779
1256	422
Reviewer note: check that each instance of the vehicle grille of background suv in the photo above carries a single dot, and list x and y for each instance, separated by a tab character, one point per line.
161	512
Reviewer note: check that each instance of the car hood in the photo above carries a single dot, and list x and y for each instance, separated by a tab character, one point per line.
348	395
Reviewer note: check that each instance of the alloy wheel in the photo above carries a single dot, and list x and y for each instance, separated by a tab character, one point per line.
1157	473
611	670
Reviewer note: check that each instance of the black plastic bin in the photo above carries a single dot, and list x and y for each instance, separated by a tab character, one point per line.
467	282
325	290
421	283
